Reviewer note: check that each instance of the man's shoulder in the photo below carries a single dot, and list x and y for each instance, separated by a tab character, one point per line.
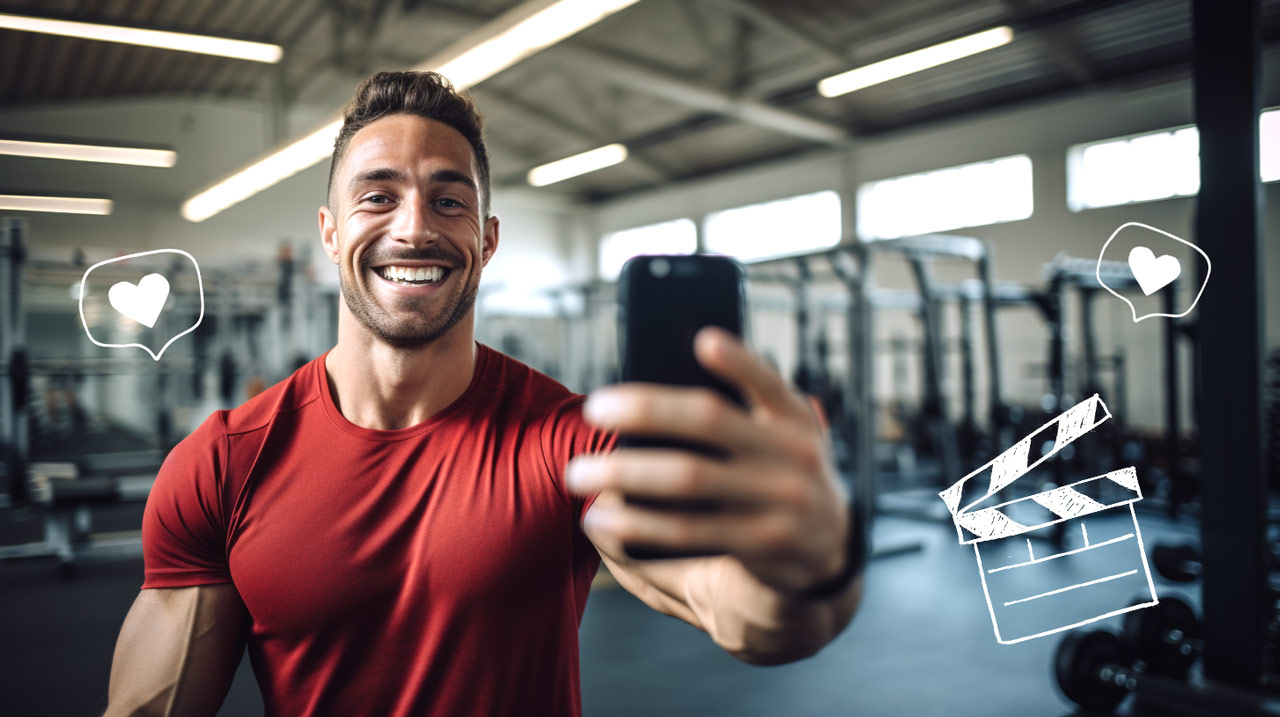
213	445
515	380
294	392
539	403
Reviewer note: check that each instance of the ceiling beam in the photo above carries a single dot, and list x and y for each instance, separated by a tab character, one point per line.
695	21
645	78
1057	41
770	20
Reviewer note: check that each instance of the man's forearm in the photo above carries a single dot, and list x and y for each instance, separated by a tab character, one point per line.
761	625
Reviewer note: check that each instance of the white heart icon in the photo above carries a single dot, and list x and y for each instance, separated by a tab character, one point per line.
1153	274
143	301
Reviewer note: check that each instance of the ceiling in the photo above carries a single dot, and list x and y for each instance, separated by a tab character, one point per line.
693	87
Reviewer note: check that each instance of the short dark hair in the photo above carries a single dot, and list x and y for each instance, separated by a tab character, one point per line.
425	94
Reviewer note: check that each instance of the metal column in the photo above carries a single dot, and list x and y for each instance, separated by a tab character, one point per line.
865	377
1227	72
935	394
995	398
7	306
805	373
1172	394
13	336
854	272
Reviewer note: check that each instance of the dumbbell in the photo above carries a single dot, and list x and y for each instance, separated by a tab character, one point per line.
1179	563
1183	563
1165	637
1273	633
1094	669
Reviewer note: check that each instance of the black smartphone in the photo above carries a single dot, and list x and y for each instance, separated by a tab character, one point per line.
663	301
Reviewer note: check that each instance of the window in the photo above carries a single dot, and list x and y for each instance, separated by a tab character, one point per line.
785	226
1269	146
1157	165
675	237
1150	166
966	196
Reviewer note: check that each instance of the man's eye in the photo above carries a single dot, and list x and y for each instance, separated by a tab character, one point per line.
377	196
449	203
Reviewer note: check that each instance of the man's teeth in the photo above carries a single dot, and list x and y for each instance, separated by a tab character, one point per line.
412	273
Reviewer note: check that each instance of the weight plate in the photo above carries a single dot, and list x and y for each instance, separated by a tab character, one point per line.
1162	636
1079	667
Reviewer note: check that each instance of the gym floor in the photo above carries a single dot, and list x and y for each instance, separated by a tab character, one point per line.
922	644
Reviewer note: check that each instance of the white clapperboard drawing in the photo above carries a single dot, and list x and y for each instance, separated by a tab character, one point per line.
1031	595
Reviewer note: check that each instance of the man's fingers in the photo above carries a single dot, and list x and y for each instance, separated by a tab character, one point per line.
752	533
724	355
672	474
692	414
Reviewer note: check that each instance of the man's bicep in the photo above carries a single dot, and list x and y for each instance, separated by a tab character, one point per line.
679	587
178	651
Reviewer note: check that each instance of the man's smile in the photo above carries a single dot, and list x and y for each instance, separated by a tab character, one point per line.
411	278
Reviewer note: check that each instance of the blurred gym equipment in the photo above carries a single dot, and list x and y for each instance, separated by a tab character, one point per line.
83	428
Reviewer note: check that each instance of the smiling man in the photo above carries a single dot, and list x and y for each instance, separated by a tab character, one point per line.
398	527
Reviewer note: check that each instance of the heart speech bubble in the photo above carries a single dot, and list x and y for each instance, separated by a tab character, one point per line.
1152	272
142	302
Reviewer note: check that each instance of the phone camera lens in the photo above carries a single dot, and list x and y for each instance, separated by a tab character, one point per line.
686	269
659	267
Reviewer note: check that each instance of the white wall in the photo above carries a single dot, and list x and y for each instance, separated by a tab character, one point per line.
1044	132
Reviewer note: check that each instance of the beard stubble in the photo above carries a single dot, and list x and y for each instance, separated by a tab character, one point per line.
417	325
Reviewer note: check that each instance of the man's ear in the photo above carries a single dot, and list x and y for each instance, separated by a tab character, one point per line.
490	240
329	234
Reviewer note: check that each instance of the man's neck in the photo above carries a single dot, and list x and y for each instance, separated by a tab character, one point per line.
383	387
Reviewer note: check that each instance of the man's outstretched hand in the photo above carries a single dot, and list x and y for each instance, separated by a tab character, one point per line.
787	520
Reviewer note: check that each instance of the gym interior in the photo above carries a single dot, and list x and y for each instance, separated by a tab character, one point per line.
1020	254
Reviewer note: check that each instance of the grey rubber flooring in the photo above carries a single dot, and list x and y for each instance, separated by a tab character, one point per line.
922	644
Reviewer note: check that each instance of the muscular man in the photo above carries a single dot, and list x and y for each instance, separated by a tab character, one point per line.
401	527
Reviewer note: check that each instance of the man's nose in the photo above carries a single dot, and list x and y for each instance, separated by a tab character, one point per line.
414	223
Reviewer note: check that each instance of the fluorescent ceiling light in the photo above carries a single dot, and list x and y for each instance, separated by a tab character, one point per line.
590	161
89	153
531	26
202	44
902	65
267	171
61	205
516	35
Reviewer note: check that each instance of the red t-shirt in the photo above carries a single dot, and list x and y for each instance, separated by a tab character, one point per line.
439	569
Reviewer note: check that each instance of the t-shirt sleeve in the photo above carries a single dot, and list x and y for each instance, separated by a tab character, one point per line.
565	434
184	532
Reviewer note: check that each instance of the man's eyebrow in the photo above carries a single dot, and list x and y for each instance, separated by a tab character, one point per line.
453	175
381	174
